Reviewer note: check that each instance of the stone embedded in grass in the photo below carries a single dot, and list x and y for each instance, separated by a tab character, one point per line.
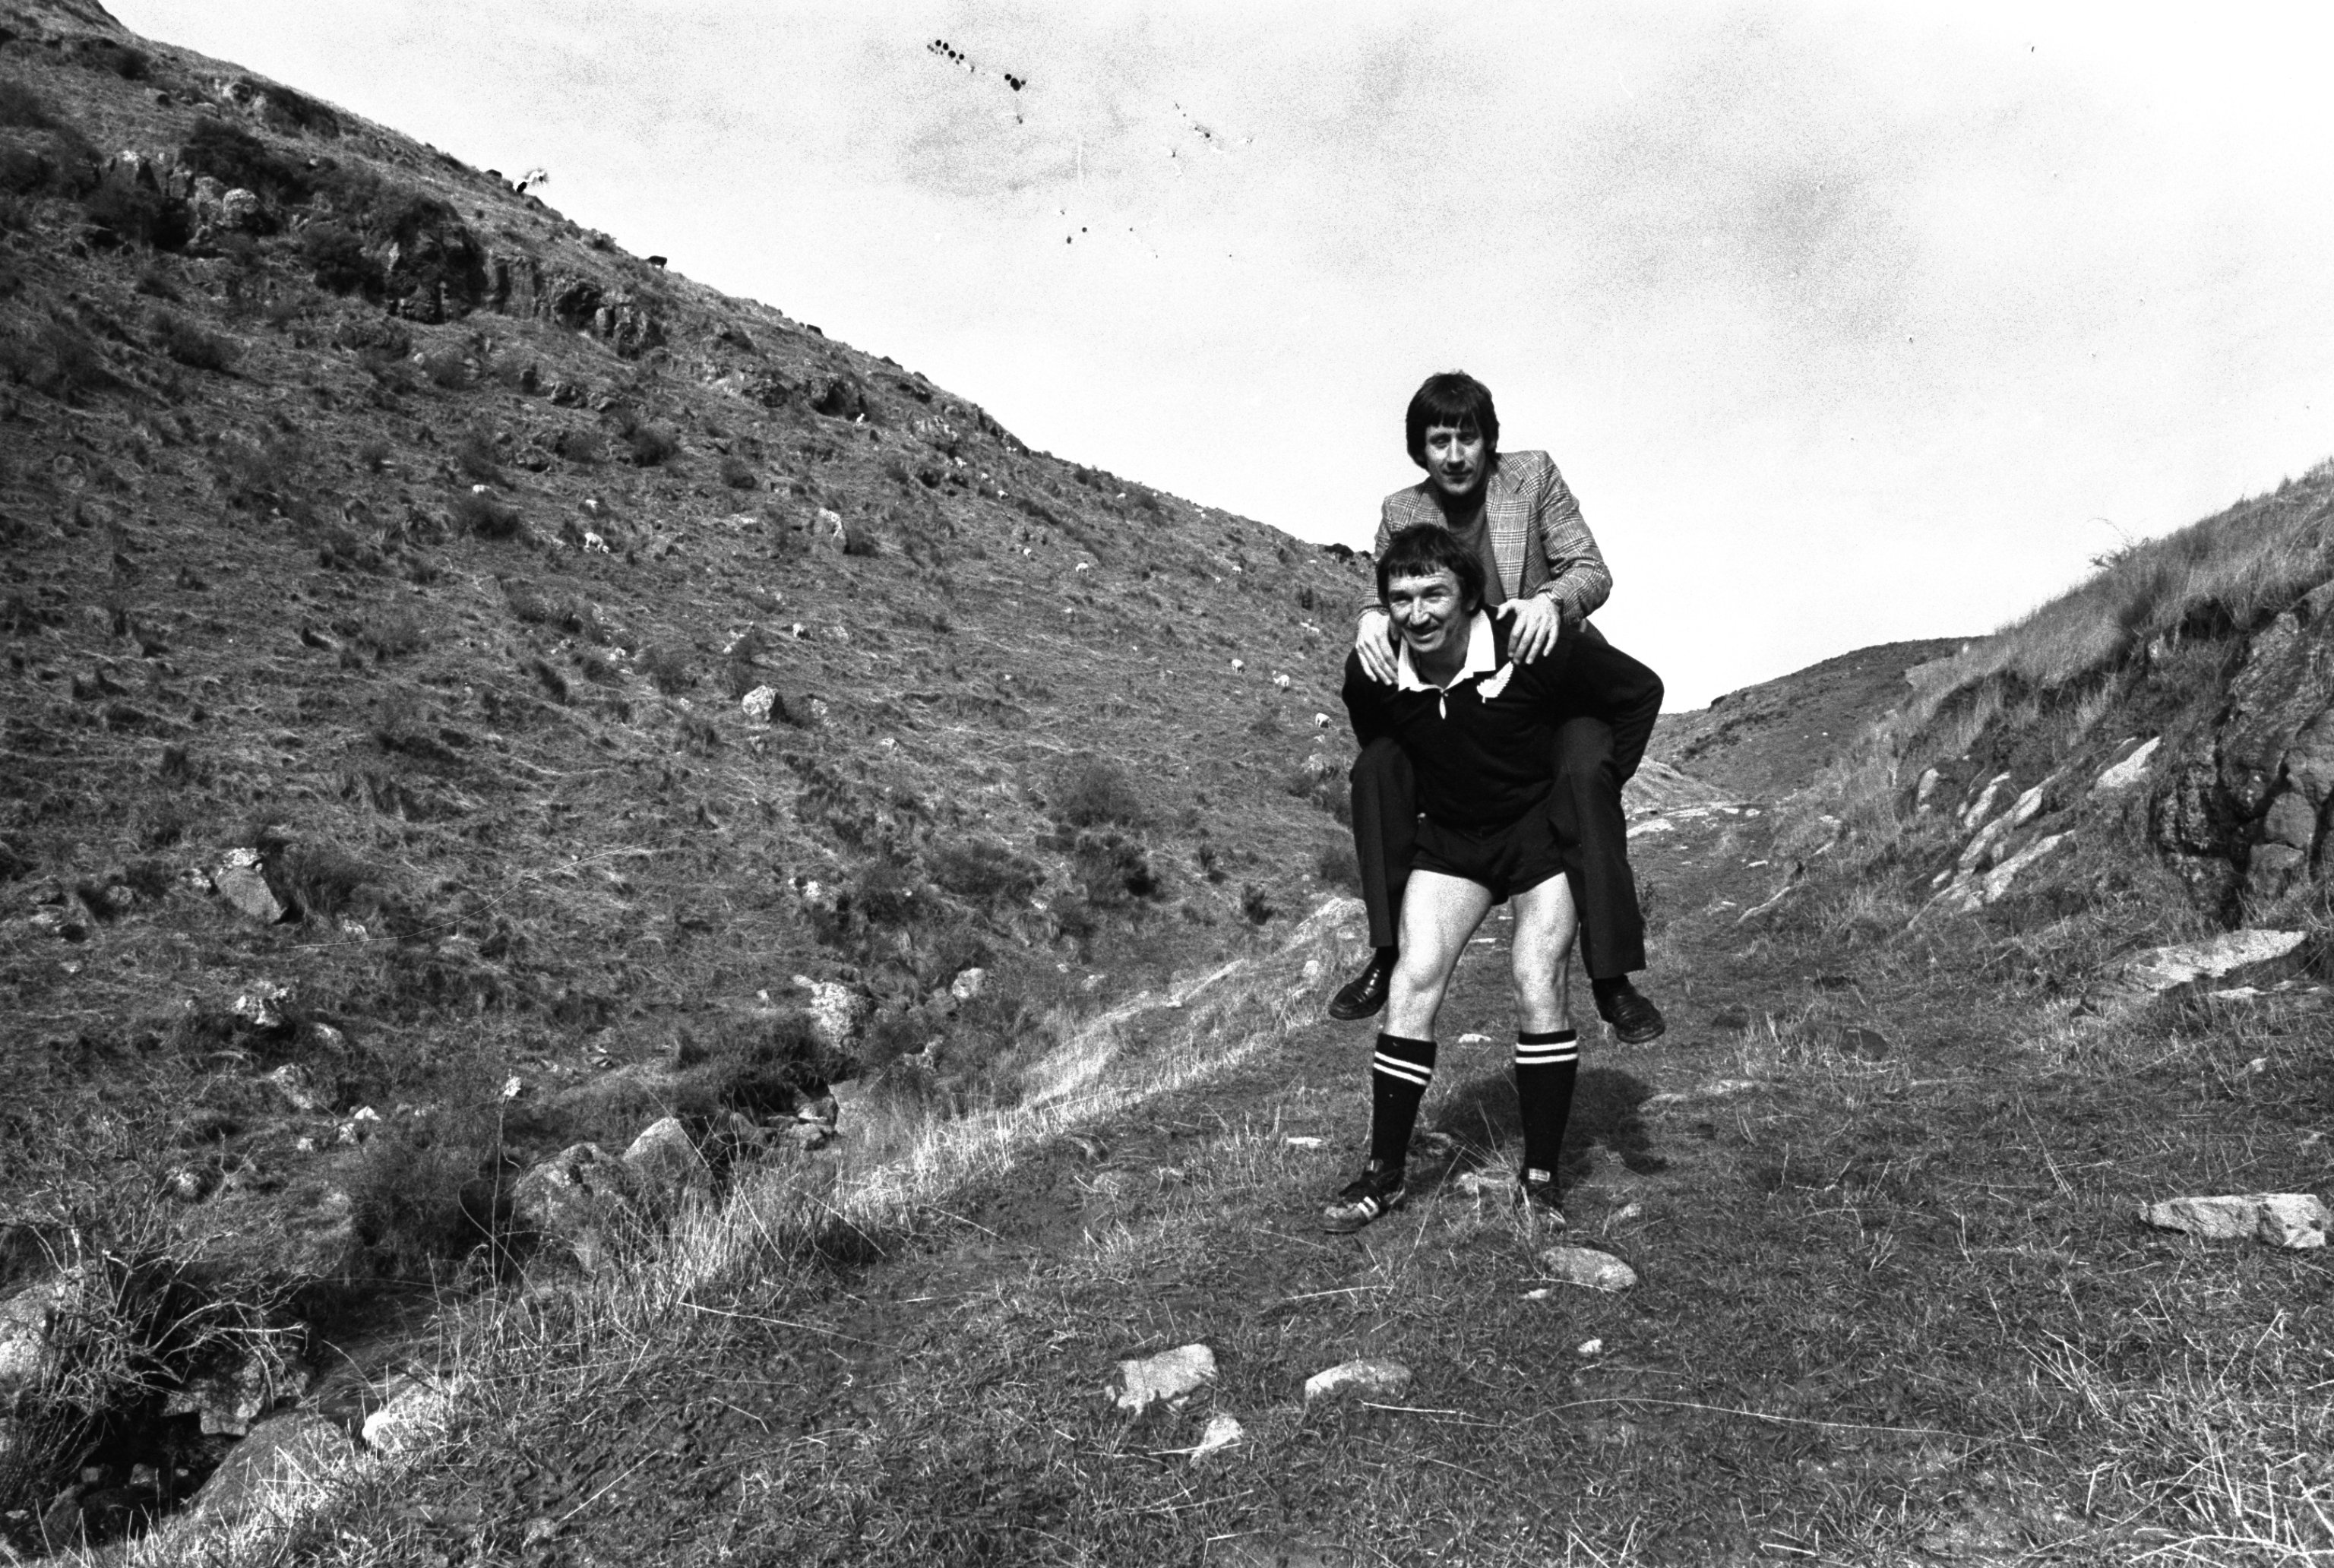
27	1352
262	1006
1585	1265
837	1012
1368	1377
228	1399
2129	771
260	1474
298	1091
1486	1183
2165	967
1170	1375
1869	1044
666	1161
2296	1221
758	703
239	882
1222	1432
569	1200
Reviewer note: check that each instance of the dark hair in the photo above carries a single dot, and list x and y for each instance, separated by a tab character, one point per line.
1455	399
1426	550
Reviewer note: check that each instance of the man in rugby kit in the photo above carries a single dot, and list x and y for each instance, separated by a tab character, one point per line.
1478	723
1544	576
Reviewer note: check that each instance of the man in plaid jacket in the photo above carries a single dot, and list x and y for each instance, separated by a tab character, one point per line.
1542	567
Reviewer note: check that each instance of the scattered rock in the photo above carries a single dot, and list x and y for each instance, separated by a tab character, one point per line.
1302	1140
1585	1265
1169	1375
1971	889
2295	1221
1222	1432
229	1399
262	1473
2212	958
239	882
412	1408
1856	1041
1486	1183
2133	768
1385	1379
25	1317
758	702
262	1006
837	1012
667	1164
1978	809
571	1200
298	1091
968	984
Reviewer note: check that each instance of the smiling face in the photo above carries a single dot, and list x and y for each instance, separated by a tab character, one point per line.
1432	618
1457	460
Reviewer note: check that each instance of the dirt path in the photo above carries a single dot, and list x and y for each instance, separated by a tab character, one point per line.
1866	1217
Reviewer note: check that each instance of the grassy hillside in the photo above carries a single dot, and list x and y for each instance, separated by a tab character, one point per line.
452	663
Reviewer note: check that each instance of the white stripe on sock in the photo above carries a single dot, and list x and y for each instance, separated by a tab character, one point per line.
1409	1071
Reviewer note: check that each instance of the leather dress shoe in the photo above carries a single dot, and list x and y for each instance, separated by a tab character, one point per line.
1632	1015
1365	993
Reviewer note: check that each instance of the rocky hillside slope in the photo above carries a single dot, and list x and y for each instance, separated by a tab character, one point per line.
470	692
2150	755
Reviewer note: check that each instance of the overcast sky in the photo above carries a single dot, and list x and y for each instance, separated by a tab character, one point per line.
1848	323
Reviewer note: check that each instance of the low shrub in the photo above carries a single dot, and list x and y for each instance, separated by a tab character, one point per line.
233	157
476	457
1255	907
1336	865
860	539
393	632
21	105
667	667
447	368
1089	792
890	894
1111	868
984	872
191	346
739	474
485	516
336	256
648	445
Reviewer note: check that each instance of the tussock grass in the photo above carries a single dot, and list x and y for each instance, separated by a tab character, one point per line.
2233	571
511	1363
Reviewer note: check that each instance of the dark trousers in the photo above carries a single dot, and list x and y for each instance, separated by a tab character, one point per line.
1616	699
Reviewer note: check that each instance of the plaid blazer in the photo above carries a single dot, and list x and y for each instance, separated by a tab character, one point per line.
1537	535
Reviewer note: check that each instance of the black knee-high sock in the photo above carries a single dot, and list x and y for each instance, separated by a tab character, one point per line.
1398	1079
1546	1065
